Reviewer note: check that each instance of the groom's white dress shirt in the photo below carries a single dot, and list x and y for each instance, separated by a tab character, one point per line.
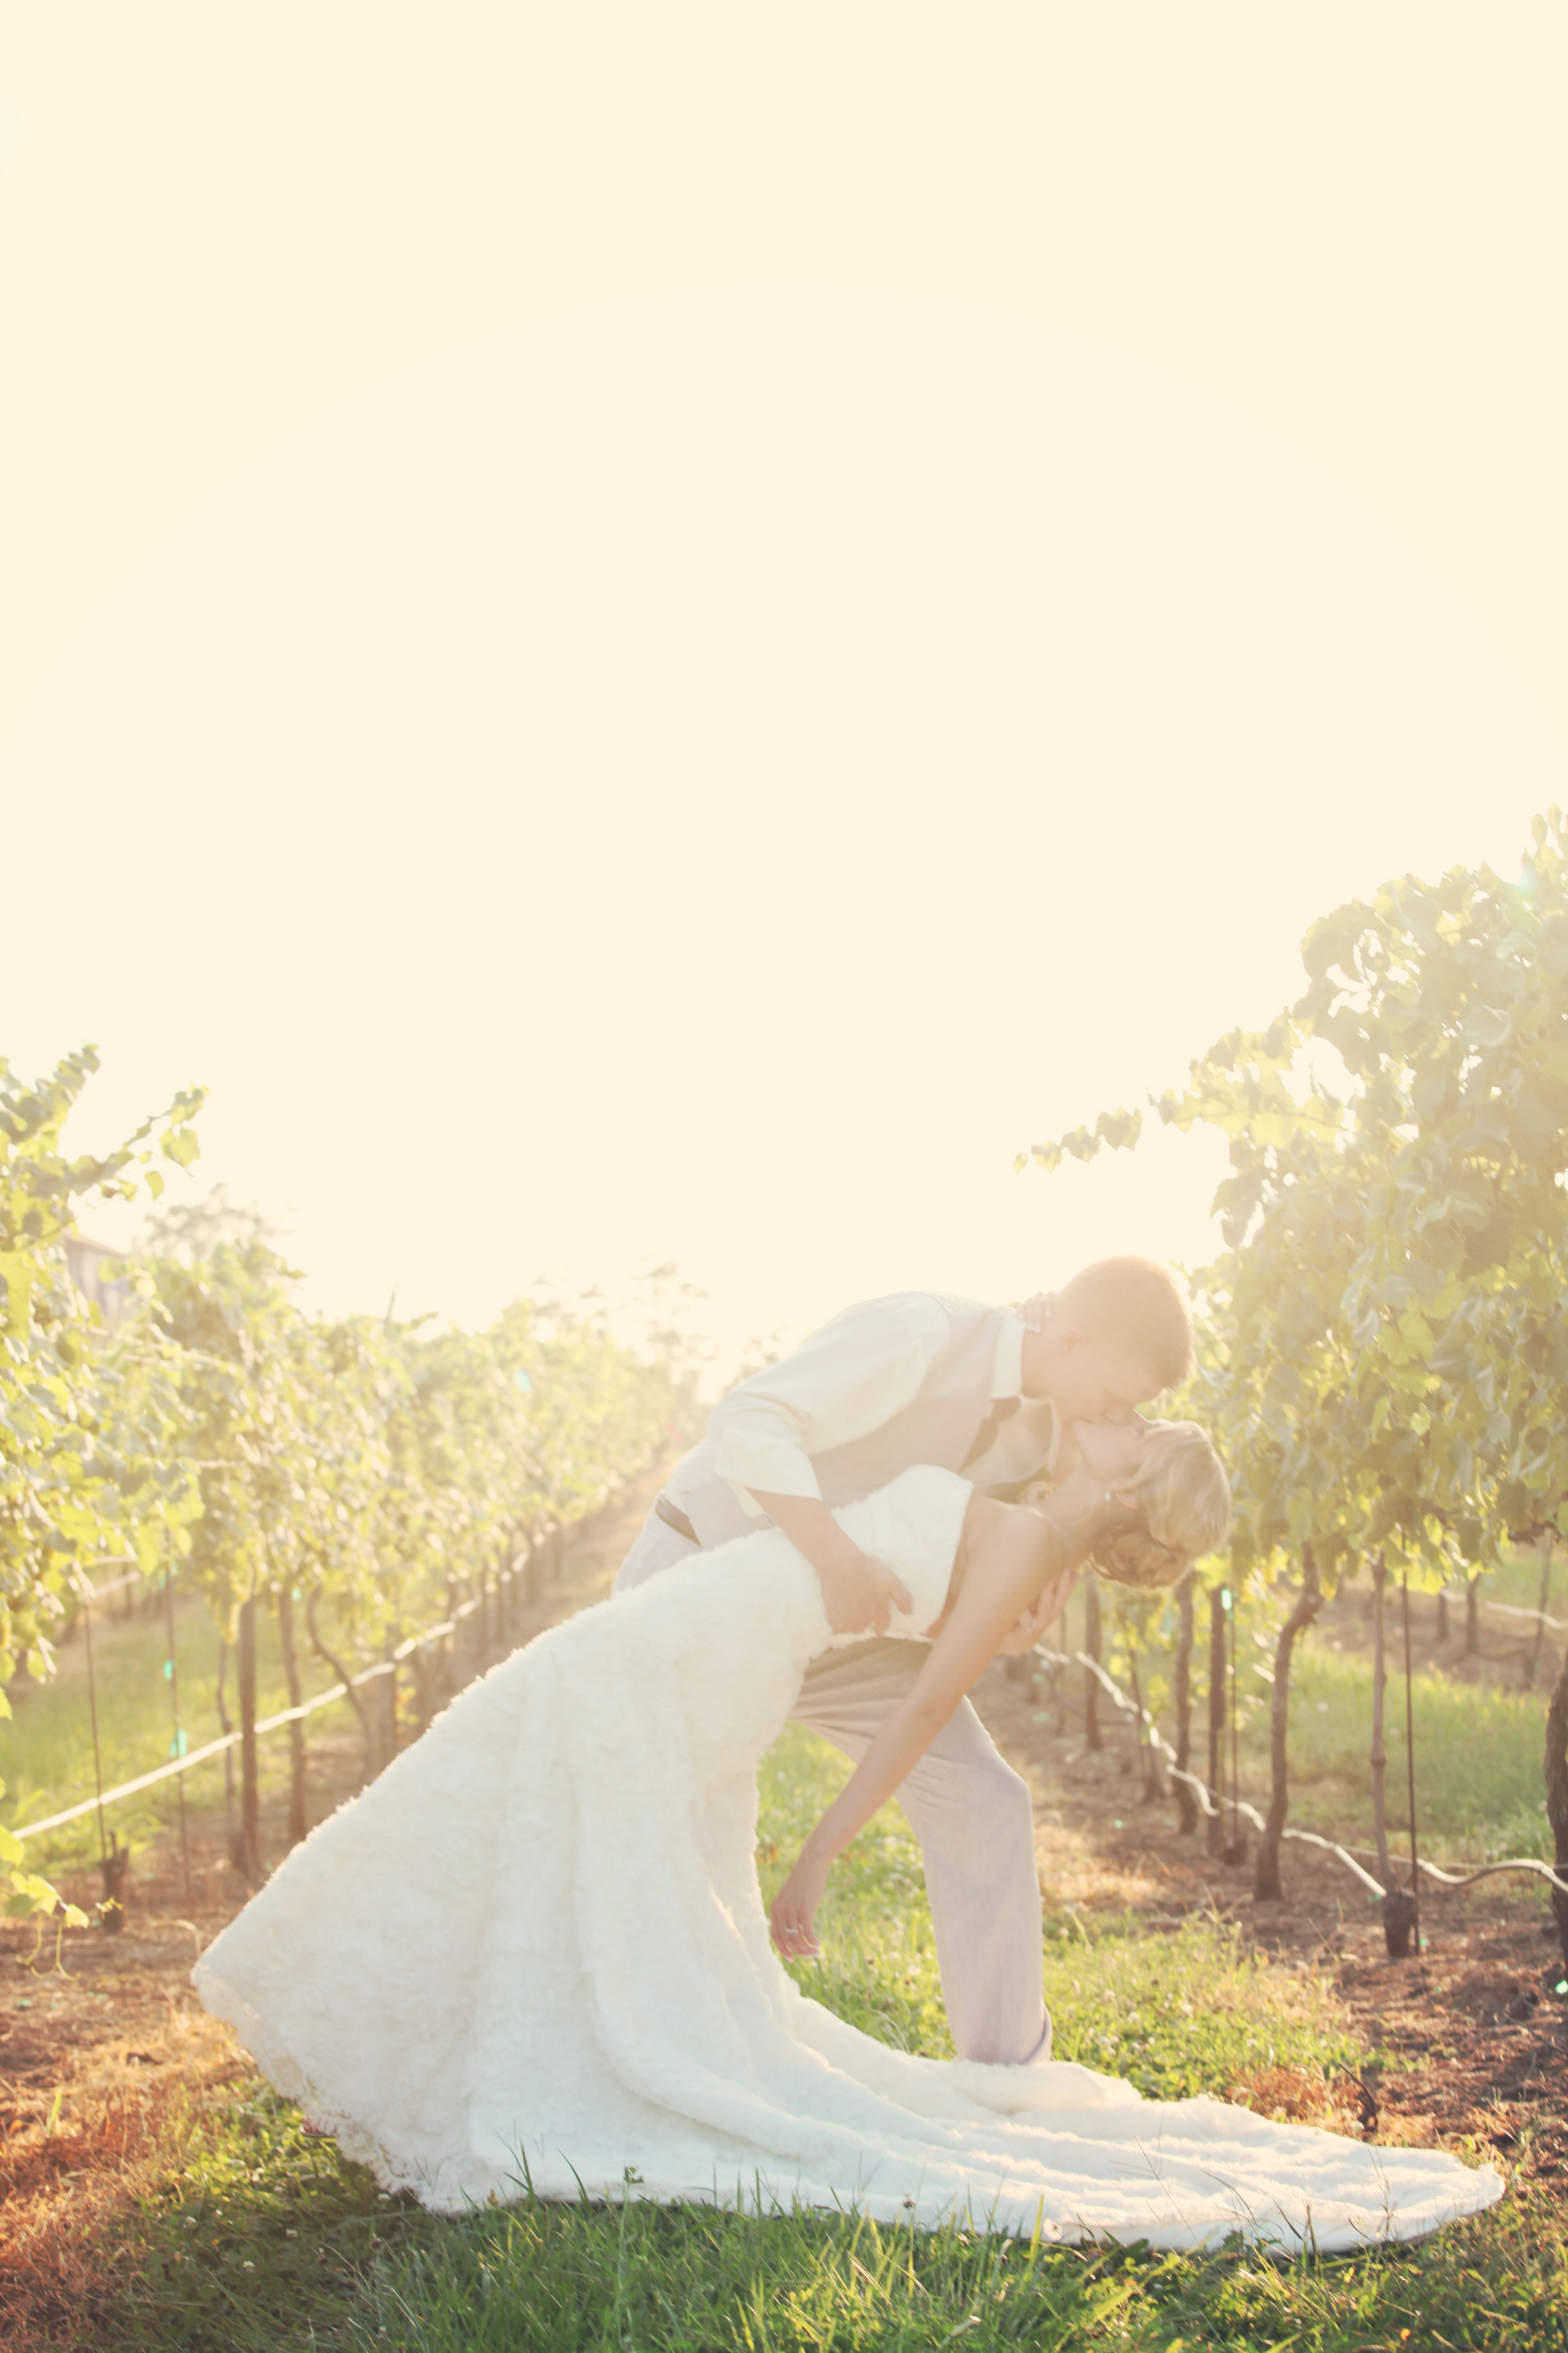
846	1379
972	1813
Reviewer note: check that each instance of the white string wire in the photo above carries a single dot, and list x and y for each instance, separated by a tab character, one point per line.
231	1739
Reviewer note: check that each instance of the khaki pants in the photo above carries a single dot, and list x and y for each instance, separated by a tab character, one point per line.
971	1812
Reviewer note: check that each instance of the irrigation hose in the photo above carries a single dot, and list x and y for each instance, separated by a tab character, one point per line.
1306	1838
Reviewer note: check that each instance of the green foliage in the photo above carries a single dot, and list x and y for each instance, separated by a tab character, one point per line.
1383	1342
218	1434
1386	1339
369	1463
84	1424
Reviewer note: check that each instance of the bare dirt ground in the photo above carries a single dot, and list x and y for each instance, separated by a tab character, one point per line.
104	2048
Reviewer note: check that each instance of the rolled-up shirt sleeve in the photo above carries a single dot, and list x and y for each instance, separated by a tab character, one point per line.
850	1378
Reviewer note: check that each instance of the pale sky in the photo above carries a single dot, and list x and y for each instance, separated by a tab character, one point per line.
655	634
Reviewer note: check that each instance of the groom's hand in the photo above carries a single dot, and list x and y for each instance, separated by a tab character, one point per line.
858	1593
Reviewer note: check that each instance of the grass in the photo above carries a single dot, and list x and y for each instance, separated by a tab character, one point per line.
46	1747
1516	1580
1480	1791
1177	2012
1479	1788
258	2241
299	2258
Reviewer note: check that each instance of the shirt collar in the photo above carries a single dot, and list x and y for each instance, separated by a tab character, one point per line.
1008	1364
1008	1381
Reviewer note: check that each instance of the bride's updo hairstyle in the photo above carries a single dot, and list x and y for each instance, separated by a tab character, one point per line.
1184	1499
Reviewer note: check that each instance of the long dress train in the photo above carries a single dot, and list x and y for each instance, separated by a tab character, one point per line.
533	1956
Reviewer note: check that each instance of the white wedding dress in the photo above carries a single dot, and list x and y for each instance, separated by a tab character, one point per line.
534	1955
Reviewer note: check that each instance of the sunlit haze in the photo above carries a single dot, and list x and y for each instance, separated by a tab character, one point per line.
611	718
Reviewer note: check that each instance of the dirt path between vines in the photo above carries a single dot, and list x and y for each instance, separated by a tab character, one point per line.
101	2055
1471	2038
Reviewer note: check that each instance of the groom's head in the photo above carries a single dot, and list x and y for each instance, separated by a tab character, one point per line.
1113	1338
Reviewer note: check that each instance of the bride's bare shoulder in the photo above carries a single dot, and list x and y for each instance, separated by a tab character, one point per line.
983	1520
991	1528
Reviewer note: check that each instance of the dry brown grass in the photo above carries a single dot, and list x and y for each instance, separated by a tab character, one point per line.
74	2161
1300	2096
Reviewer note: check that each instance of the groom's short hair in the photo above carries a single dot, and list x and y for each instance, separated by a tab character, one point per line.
1137	1304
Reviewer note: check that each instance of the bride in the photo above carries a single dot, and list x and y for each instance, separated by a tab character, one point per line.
533	1956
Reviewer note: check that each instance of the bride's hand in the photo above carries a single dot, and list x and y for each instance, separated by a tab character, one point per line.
793	1909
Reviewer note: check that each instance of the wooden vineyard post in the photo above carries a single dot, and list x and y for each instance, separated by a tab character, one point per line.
1154	1791
1532	1652
112	1861
1092	1737
1556	1763
419	1676
298	1824
177	1745
389	1686
1473	1616
341	1675
1215	1838
1187	1804
230	1834
1398	1910
250	1791
1378	1757
1410	1766
1266	1886
1236	1845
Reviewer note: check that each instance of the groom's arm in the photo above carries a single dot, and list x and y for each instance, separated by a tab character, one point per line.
845	1380
858	1592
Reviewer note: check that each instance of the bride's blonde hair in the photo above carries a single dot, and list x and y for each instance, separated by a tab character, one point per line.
1183	1496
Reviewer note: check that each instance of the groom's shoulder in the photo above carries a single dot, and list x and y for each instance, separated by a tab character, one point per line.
959	1310
933	1311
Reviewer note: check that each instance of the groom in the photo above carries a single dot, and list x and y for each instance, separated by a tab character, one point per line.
911	1378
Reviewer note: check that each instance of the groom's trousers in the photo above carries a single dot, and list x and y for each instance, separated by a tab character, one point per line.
971	1812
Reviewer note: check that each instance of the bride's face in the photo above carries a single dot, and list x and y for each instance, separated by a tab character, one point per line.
1114	1451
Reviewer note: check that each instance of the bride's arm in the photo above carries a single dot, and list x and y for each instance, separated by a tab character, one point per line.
1016	1556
